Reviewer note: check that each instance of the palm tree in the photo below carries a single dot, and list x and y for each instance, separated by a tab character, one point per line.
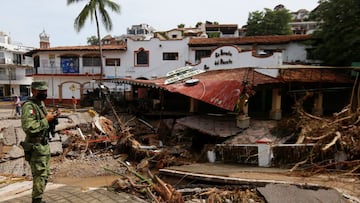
91	10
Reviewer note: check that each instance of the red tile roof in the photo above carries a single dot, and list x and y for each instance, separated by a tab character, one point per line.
78	48
273	39
314	75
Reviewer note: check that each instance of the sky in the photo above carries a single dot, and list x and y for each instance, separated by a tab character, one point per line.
24	20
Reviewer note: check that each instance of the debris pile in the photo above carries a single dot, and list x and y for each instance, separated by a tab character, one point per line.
337	136
151	187
146	187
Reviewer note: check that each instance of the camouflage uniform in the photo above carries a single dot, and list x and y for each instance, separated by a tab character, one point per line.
37	152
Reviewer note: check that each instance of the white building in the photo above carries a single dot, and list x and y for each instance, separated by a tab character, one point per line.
13	67
72	70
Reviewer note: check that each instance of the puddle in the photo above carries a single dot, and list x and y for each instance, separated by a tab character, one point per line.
97	181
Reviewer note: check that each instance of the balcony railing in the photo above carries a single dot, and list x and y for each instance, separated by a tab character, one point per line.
24	62
6	77
59	70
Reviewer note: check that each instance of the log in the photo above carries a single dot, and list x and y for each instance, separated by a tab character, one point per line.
298	164
338	136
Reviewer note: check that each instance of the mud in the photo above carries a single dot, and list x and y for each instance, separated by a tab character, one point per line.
88	182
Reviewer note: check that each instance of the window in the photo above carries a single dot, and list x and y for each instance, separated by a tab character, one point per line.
2	71
202	53
36	62
91	61
24	90
12	72
16	58
112	62
170	56
70	64
2	58
29	71
141	57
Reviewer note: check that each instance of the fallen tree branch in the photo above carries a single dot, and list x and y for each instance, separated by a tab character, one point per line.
150	194
319	138
312	116
338	136
136	173
336	121
298	164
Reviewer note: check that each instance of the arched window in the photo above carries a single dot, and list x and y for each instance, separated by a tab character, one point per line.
141	57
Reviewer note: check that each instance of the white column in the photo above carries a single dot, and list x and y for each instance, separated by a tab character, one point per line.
243	120
275	112
318	105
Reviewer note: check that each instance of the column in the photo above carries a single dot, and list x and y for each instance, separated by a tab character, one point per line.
243	120
275	112
193	105
318	105
60	93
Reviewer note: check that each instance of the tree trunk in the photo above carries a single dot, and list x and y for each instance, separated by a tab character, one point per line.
355	96
100	46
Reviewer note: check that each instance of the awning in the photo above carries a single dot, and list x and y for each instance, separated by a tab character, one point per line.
222	93
222	88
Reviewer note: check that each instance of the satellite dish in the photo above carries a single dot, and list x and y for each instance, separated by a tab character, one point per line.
191	82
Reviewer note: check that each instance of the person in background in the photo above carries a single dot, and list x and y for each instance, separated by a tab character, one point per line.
74	102
35	122
17	105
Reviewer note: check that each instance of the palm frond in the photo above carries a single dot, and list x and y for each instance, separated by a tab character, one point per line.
82	17
105	18
112	5
89	12
73	1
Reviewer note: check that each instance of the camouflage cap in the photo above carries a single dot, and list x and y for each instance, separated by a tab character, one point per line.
39	85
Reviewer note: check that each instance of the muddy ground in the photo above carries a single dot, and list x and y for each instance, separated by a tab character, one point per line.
91	172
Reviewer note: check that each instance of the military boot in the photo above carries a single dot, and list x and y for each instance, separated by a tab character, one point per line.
38	201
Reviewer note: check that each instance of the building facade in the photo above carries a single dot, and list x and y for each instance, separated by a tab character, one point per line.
72	70
14	65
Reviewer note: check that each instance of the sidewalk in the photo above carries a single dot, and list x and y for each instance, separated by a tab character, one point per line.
73	194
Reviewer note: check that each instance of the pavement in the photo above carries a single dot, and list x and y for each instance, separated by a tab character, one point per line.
56	193
276	184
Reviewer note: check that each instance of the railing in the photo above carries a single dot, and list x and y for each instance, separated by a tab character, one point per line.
9	61
6	77
59	70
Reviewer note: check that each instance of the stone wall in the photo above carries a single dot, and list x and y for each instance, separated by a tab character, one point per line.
11	134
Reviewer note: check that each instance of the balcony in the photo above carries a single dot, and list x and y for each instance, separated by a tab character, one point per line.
8	61
63	72
6	77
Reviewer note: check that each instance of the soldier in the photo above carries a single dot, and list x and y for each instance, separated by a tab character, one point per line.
35	123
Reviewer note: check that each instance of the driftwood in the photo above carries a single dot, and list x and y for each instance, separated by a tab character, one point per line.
327	146
153	186
341	132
